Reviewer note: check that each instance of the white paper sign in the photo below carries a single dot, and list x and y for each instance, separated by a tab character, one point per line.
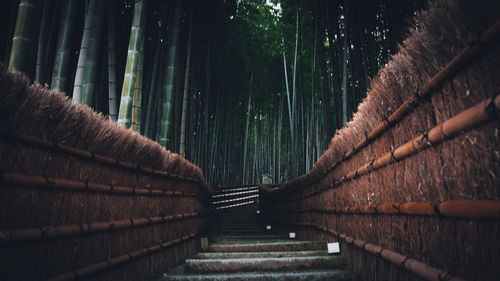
292	235
334	248
268	227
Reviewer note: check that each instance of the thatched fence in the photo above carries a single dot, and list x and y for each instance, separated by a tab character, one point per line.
412	186
81	197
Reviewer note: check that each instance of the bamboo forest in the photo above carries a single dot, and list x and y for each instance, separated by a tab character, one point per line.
240	88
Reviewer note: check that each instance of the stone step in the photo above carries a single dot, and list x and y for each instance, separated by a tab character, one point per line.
241	221
246	222
230	223
274	246
318	275
247	237
246	241
228	229
264	264
246	255
263	228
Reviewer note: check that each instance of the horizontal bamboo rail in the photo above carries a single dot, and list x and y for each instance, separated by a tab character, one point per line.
8	178
477	115
63	231
83	154
110	263
227	188
469	209
235	205
251	197
413	265
235	194
224	191
434	84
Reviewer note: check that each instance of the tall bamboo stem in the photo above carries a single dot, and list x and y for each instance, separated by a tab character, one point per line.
23	44
136	37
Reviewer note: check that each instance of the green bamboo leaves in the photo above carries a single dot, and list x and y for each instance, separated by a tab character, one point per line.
134	49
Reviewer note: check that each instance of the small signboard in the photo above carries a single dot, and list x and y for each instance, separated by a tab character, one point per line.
268	227
292	235
334	248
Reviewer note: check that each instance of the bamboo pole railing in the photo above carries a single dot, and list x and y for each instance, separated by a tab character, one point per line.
469	209
235	194
119	260
14	179
245	198
227	188
235	205
477	115
411	264
236	189
87	155
465	56
63	231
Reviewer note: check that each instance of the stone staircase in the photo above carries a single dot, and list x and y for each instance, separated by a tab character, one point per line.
243	249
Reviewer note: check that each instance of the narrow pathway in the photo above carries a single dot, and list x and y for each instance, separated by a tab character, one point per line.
244	250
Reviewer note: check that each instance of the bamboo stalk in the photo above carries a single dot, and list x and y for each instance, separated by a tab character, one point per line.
168	104
63	52
459	62
469	209
23	44
136	38
91	62
83	154
182	147
112	103
137	97
470	118
119	260
43	35
413	265
14	179
84	46
61	231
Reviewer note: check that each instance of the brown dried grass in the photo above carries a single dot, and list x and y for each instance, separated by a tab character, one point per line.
36	111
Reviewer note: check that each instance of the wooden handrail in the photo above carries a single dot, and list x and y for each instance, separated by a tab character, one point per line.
8	178
63	231
470	209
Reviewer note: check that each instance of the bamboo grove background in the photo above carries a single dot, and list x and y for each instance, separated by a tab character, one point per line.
202	79
411	187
